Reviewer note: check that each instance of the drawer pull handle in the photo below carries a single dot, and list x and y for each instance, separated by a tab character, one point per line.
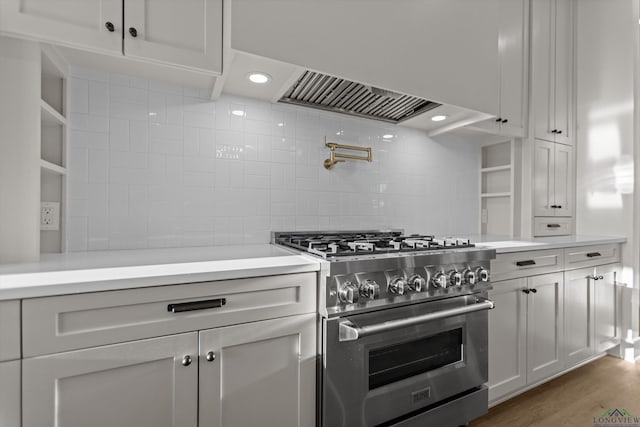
597	277
186	361
196	305
211	356
593	254
527	262
534	290
553	225
526	291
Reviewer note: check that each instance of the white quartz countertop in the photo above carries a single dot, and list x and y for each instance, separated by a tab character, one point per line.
504	244
76	272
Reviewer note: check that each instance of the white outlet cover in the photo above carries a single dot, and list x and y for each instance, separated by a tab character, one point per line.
50	216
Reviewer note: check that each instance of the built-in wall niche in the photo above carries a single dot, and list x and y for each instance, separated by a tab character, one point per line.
53	170
498	180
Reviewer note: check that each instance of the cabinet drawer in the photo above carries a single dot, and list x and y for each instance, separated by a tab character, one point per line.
522	264
61	323
552	226
586	256
9	330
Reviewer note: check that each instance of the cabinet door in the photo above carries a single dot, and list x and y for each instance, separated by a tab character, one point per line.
578	316
512	48
563	180
507	338
542	67
187	33
75	23
607	319
259	374
136	384
563	71
543	178
10	393
544	326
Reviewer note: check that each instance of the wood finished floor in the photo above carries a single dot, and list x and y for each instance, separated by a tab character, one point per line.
573	399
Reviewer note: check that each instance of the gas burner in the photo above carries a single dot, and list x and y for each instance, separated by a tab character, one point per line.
340	244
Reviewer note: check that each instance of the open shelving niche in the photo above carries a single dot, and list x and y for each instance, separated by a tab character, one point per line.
53	144
499	200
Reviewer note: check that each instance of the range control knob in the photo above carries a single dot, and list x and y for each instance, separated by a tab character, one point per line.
348	293
439	280
455	278
482	275
469	276
417	283
398	285
369	289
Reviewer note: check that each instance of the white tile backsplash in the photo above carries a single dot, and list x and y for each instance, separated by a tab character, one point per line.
158	165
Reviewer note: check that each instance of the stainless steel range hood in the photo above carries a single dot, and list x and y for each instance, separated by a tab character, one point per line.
330	93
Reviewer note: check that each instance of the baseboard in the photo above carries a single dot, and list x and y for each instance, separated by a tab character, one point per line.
546	380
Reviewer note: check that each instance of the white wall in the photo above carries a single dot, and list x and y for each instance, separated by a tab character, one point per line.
19	150
154	165
606	38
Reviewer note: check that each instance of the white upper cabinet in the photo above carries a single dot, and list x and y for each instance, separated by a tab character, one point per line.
187	33
445	51
512	48
552	70
92	24
553	179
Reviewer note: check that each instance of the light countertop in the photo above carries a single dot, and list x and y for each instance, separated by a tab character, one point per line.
505	244
77	272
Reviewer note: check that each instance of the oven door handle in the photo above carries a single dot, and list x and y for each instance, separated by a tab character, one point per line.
349	332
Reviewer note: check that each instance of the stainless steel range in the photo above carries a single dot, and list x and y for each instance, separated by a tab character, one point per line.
404	327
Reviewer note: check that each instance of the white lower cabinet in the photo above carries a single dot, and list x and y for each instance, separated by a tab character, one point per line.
507	338
545	326
227	353
135	384
525	332
260	373
10	393
592	318
607	298
554	309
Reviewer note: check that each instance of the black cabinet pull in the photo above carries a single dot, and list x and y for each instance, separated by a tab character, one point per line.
110	27
133	32
527	262
505	120
196	305
559	132
553	225
593	254
553	206
499	119
534	290
526	291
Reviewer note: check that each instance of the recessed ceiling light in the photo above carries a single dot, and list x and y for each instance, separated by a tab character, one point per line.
259	78
387	136
438	118
239	113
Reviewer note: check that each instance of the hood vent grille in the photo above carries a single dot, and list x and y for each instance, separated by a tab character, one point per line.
343	96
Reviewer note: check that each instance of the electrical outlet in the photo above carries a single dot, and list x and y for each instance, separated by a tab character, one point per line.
49	216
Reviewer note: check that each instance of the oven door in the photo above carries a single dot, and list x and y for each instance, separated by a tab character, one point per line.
394	363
